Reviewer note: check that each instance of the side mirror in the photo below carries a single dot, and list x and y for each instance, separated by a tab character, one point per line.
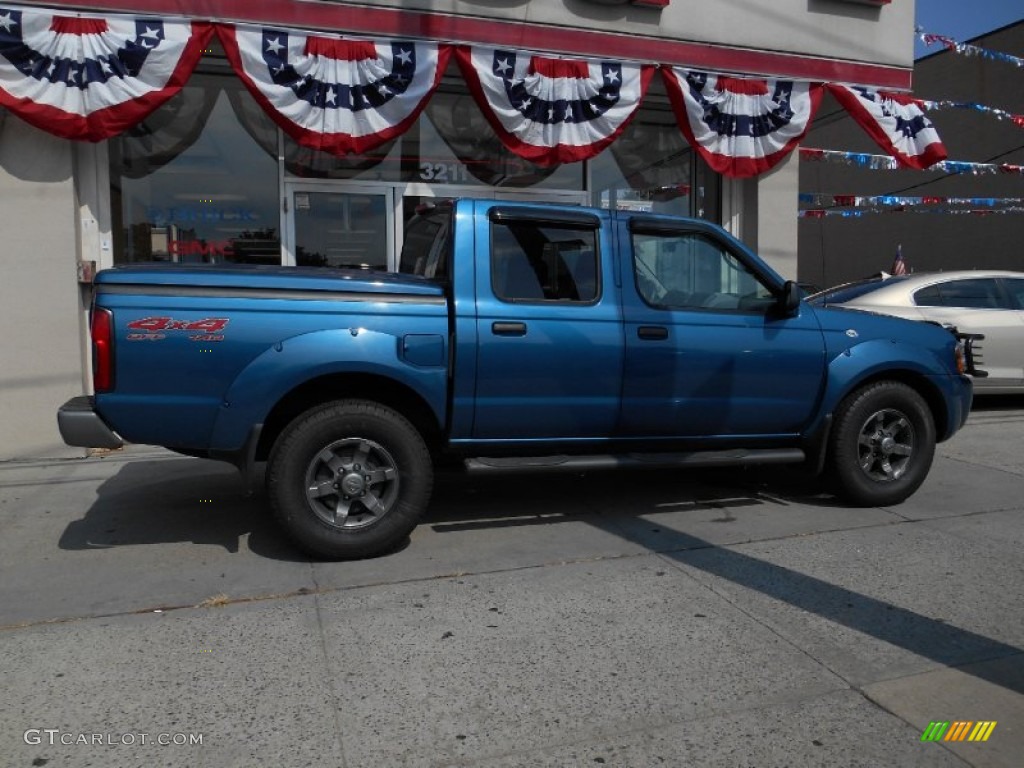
789	299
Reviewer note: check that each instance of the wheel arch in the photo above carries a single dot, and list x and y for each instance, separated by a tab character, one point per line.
920	383
350	386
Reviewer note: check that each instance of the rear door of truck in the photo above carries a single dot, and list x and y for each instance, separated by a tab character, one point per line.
548	326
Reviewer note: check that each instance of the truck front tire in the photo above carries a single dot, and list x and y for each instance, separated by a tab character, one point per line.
349	479
882	444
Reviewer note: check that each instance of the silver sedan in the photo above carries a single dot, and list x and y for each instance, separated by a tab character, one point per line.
975	301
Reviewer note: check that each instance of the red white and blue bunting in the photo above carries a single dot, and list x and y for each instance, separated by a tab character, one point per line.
741	126
895	122
89	77
550	110
334	94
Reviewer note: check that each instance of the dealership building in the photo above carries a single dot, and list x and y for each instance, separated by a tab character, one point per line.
306	133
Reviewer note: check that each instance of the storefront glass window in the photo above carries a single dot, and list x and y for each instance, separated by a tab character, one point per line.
191	184
199	180
340	229
651	167
451	144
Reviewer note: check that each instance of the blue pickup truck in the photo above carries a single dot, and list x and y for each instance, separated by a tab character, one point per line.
514	337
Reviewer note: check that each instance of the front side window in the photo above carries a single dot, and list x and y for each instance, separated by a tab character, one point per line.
531	261
690	270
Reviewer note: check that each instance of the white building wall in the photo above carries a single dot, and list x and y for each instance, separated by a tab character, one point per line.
775	214
40	301
829	29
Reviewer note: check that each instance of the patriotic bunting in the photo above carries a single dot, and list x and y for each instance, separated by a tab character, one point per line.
895	122
553	111
334	94
89	77
741	126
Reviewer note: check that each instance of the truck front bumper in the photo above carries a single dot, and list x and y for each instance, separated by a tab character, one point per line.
82	427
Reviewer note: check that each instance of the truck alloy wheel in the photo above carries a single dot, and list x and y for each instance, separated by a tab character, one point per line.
882	444
886	445
349	479
352	483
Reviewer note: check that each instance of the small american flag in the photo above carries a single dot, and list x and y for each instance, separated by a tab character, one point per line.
899	266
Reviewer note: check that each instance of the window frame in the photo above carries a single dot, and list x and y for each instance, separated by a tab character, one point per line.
542	218
654	227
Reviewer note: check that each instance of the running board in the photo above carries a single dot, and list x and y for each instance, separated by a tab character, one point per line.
726	458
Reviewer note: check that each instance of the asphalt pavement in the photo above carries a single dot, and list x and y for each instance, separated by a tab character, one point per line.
151	615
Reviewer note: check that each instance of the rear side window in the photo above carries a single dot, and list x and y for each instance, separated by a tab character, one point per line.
974	293
543	261
427	245
1015	287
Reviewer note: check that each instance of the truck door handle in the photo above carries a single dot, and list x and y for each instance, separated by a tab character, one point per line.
652	332
508	329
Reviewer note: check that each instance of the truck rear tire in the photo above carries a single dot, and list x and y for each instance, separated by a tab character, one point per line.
349	479
882	444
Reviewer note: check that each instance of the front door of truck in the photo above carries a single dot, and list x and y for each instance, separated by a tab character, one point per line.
549	333
708	353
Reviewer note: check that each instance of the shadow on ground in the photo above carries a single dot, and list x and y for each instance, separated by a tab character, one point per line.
191	500
178	500
204	502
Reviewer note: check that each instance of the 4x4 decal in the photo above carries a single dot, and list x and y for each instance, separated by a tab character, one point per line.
152	328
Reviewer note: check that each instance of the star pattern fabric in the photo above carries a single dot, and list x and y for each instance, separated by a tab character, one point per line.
552	111
90	78
335	94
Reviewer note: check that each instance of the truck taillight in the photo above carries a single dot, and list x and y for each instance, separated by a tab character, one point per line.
102	350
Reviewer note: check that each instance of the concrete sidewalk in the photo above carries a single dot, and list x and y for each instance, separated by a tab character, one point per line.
709	618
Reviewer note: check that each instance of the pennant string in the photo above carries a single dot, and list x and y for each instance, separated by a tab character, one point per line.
999	114
887	163
824	200
821	213
967	50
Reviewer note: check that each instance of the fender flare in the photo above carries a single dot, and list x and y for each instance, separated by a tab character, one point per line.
290	364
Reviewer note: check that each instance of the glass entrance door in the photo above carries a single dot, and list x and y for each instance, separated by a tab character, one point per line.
334	225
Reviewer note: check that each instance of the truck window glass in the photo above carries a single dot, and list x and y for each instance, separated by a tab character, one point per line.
688	270
427	244
533	261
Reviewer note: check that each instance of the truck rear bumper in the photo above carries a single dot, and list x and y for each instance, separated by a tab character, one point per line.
82	427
